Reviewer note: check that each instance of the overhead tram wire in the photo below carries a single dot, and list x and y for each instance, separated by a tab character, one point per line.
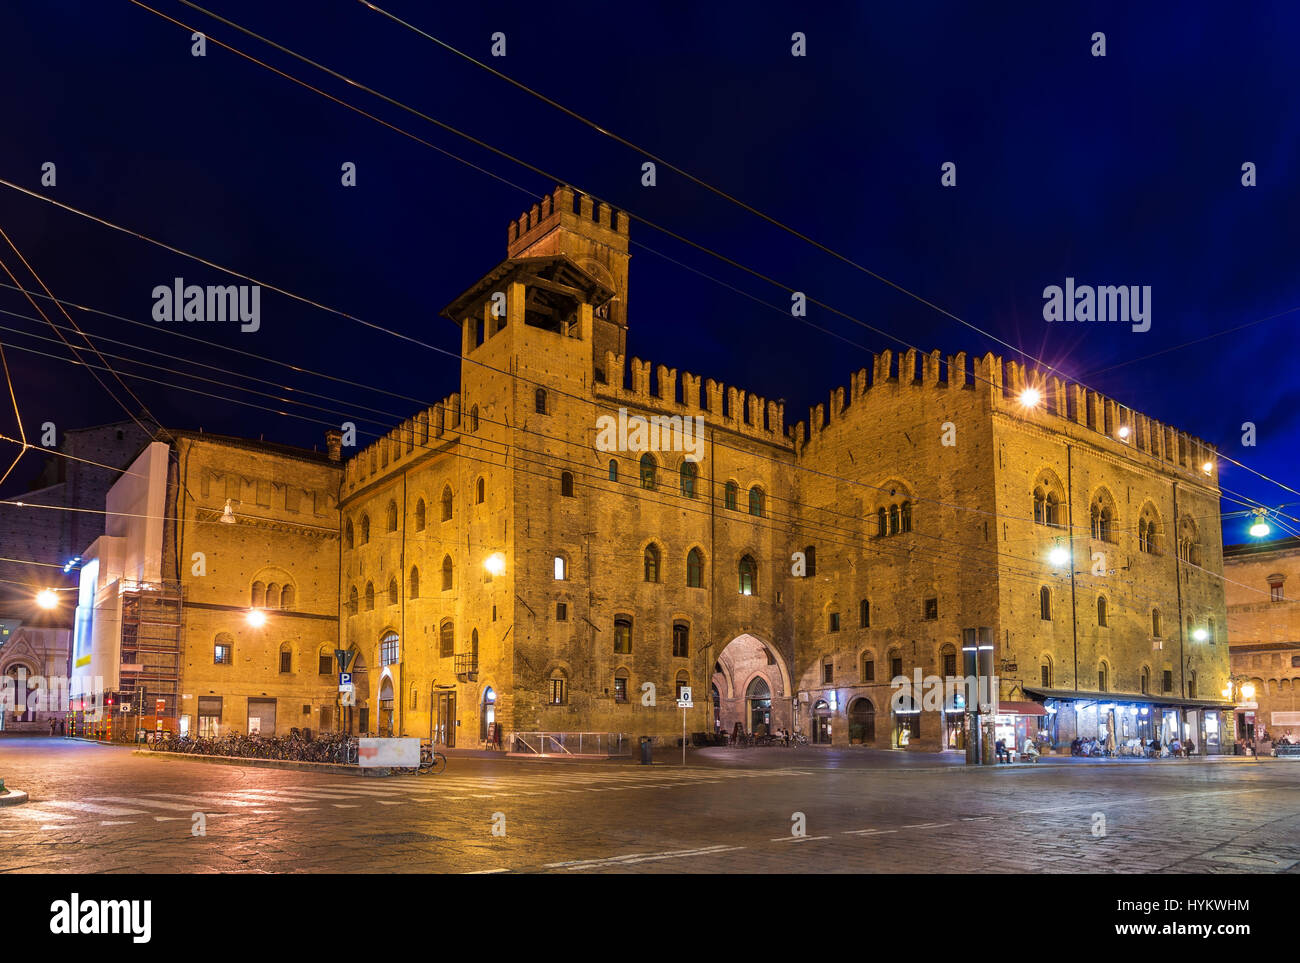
775	222
554	179
860	541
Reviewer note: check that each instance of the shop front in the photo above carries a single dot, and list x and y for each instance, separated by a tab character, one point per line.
1125	725
1018	721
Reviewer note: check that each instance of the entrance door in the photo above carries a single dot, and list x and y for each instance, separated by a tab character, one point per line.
261	716
444	729
822	723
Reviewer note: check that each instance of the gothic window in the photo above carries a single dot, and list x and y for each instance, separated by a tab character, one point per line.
652	563
446	573
415	582
695	568
370	596
690	471
748	571
648	471
756	501
539	401
419	515
1045	604
566	484
446	503
623	634
392	516
906	520
730	496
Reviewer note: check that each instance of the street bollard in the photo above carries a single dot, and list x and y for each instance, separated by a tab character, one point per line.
647	751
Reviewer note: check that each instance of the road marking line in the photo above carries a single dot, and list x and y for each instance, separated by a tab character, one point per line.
116	822
868	832
92	808
40	814
345	806
926	825
640	857
194	797
485	872
155	803
488	796
168	819
807	839
305	809
386	802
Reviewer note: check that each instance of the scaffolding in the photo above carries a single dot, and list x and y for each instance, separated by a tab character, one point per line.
150	671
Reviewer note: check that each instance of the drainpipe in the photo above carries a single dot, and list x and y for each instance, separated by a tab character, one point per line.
1178	586
1074	611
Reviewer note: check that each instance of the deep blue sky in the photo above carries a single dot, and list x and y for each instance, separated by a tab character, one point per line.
1117	170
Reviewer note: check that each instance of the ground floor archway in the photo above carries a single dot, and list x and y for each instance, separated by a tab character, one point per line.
751	688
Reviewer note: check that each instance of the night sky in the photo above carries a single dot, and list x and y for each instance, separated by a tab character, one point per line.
1118	170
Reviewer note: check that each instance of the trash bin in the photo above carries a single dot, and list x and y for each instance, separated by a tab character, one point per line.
647	745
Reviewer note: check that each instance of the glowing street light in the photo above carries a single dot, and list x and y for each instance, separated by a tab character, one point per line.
1123	432
1248	692
1031	397
495	564
1208	468
1200	635
256	618
47	599
1260	527
1058	556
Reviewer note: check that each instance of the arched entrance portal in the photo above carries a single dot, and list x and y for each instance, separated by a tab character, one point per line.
385	720
752	686
758	698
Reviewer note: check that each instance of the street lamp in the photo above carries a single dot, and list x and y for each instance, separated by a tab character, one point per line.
1260	526
1059	555
256	618
495	564
47	599
1030	397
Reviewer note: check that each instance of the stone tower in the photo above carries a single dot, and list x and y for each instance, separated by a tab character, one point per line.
595	237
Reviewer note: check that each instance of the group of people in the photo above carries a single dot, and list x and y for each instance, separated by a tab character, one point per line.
1151	749
1028	752
58	727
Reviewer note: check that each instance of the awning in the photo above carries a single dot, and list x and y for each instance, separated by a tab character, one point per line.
1020	709
1129	698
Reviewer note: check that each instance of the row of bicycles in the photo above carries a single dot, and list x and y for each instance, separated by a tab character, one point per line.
746	740
336	748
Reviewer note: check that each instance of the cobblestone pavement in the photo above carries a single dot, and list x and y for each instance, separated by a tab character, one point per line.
102	809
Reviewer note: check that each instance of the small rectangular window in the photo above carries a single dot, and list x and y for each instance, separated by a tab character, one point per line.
620	689
828	673
868	670
895	667
1167	681
1295	662
326	665
931	609
1046	675
835	622
557	691
286	661
1275	591
864	614
949	665
561	612
222	655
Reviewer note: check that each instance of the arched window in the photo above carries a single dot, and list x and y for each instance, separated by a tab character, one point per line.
862	721
681	682
446	573
392	516
1209	631
223	649
480	491
561	568
1053	512
613	469
388	649
881	523
446	503
392	590
347	534
893	520
352	601
257	598
559	688
272	594
566	484
1144	680
748	571
652	562
539	401
419	515
1040	506
756	500
1101	514
473	420
1103	677
286	597
730	496
906	519
695	568
473	644
690	471
365	529
1156	623
681	640
648	469
415	697
370	596
1045	604
446	639
1101	612
864	614
810	560
623	634
415	582
325	661
286	657
1045	672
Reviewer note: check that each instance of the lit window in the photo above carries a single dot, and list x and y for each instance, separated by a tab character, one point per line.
561	568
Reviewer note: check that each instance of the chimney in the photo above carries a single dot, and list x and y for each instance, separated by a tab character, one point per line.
334	444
